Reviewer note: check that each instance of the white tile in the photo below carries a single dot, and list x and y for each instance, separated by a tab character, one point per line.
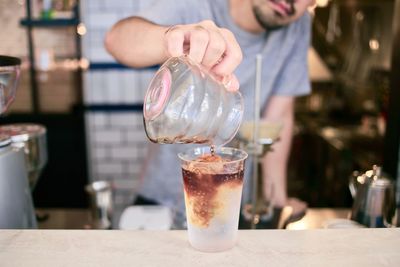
96	121
100	153
87	84
126	153
96	91
113	86
135	168
99	54
138	120
145	79
100	119
131	89
105	168
128	183
107	137
108	176
123	119
136	136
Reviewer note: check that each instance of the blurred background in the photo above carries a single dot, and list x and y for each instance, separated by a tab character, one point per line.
92	106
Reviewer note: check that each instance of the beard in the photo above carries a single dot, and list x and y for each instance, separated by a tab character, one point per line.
267	22
269	19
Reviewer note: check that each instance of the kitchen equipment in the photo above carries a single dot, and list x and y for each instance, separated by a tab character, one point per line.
9	77
374	198
186	104
256	138
31	138
101	206
16	206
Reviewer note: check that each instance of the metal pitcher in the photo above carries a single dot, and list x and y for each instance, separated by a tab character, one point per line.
374	199
101	204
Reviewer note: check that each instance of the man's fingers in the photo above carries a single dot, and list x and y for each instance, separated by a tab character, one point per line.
175	38
232	56
199	40
215	49
233	83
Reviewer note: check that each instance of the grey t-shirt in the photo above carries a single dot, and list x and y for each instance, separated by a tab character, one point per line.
284	72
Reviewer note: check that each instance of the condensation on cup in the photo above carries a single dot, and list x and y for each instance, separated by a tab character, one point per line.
213	189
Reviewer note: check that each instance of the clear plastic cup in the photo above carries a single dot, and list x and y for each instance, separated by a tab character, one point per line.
186	104
213	191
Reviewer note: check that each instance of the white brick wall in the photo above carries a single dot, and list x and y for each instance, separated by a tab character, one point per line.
116	86
116	141
116	144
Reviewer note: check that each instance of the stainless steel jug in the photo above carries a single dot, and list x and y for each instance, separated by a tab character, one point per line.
16	206
31	138
101	204
374	199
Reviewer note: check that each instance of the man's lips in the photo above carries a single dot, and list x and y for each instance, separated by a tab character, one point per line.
281	7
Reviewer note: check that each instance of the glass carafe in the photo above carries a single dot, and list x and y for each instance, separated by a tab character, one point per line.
186	104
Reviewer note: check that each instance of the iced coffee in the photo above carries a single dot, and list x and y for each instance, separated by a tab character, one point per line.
213	189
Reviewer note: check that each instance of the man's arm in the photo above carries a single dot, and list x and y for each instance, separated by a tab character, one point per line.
140	43
279	109
136	42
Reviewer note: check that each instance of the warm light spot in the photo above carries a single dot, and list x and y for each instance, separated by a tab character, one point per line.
81	29
322	3
300	225
374	44
360	15
84	63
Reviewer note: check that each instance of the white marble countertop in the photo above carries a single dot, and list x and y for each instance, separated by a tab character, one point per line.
338	247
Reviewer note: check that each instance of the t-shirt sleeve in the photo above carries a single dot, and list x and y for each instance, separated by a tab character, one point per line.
293	80
167	12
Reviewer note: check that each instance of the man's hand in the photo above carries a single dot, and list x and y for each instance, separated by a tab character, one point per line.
213	47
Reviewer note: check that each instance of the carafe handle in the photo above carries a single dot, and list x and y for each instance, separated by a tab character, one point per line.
353	183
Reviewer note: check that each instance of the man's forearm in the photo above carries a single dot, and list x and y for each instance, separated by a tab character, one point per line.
136	42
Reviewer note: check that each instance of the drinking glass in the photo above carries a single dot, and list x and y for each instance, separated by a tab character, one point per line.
213	191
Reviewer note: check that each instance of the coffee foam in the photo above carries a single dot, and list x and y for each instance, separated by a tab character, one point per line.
210	164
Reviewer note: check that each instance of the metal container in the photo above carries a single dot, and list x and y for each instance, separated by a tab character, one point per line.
31	138
16	206
101	204
374	199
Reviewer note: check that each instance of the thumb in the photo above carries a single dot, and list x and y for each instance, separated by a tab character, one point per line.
231	83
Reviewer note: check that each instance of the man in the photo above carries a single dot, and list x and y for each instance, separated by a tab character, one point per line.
224	36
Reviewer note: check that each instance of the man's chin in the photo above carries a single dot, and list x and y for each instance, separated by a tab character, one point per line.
269	24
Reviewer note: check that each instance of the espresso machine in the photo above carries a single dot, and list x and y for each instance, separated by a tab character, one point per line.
16	205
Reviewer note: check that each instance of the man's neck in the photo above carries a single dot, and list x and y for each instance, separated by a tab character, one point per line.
242	14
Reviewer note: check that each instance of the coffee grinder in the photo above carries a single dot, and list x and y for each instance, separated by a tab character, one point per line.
16	205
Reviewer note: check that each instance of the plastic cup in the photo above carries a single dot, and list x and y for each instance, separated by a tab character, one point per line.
213	191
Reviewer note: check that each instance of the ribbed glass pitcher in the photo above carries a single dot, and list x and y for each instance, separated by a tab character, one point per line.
186	104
